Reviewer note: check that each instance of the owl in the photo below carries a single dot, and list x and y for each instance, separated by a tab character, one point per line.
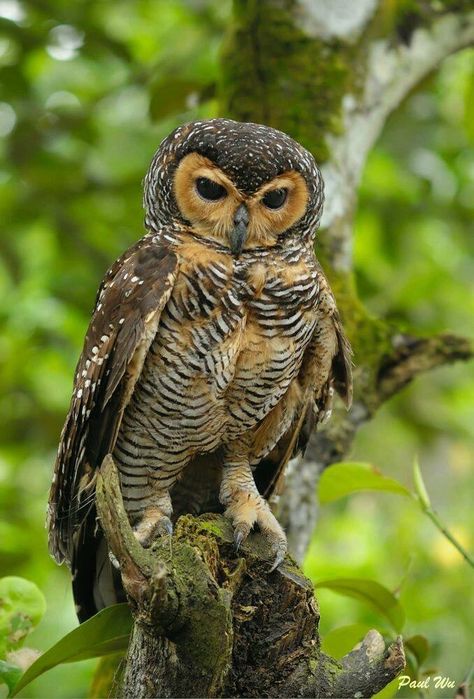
214	348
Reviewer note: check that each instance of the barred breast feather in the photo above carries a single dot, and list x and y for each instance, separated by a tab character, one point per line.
225	363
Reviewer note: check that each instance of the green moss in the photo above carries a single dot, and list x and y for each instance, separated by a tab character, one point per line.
204	642
275	73
211	528
272	72
216	525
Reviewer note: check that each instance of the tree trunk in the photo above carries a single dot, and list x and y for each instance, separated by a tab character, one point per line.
329	73
209	622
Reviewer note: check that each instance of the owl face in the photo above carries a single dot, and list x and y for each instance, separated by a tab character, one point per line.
243	185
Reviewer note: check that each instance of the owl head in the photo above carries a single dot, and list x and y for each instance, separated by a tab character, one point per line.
242	185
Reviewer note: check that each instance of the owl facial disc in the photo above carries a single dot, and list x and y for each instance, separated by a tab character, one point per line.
205	171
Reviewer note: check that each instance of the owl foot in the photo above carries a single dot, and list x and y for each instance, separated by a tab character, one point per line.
153	524
247	509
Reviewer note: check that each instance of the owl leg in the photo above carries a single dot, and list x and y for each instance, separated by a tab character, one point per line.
246	507
147	502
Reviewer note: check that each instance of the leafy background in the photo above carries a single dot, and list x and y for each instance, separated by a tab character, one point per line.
87	91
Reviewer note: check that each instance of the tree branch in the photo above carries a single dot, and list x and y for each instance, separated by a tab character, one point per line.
413	356
369	666
389	65
409	357
211	623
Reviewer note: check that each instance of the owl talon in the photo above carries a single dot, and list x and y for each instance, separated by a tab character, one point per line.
246	509
165	527
280	557
151	528
241	532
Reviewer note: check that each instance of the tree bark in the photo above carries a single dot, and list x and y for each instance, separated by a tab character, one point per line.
209	622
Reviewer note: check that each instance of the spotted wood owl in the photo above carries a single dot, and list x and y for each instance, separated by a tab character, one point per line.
214	347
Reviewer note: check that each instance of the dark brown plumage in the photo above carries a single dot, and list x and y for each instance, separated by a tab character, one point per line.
214	347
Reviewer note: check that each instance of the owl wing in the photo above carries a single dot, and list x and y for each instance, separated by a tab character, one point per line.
123	325
326	366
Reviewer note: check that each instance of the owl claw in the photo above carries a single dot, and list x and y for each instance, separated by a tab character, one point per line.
152	527
280	557
165	526
246	509
241	532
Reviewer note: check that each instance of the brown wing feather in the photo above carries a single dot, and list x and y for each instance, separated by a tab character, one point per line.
326	366
130	300
342	363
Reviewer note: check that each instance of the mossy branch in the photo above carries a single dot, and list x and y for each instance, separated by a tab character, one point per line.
386	362
369	666
209	622
414	355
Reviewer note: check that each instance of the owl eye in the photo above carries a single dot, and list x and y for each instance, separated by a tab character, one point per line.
275	198
208	189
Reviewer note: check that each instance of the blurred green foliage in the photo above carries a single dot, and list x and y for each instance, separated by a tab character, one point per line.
87	91
22	606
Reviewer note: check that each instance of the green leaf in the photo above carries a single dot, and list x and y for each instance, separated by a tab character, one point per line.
9	674
420	487
107	632
342	640
419	647
107	675
375	594
22	605
345	478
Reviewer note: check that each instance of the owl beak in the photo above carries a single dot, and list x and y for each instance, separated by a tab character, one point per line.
238	234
